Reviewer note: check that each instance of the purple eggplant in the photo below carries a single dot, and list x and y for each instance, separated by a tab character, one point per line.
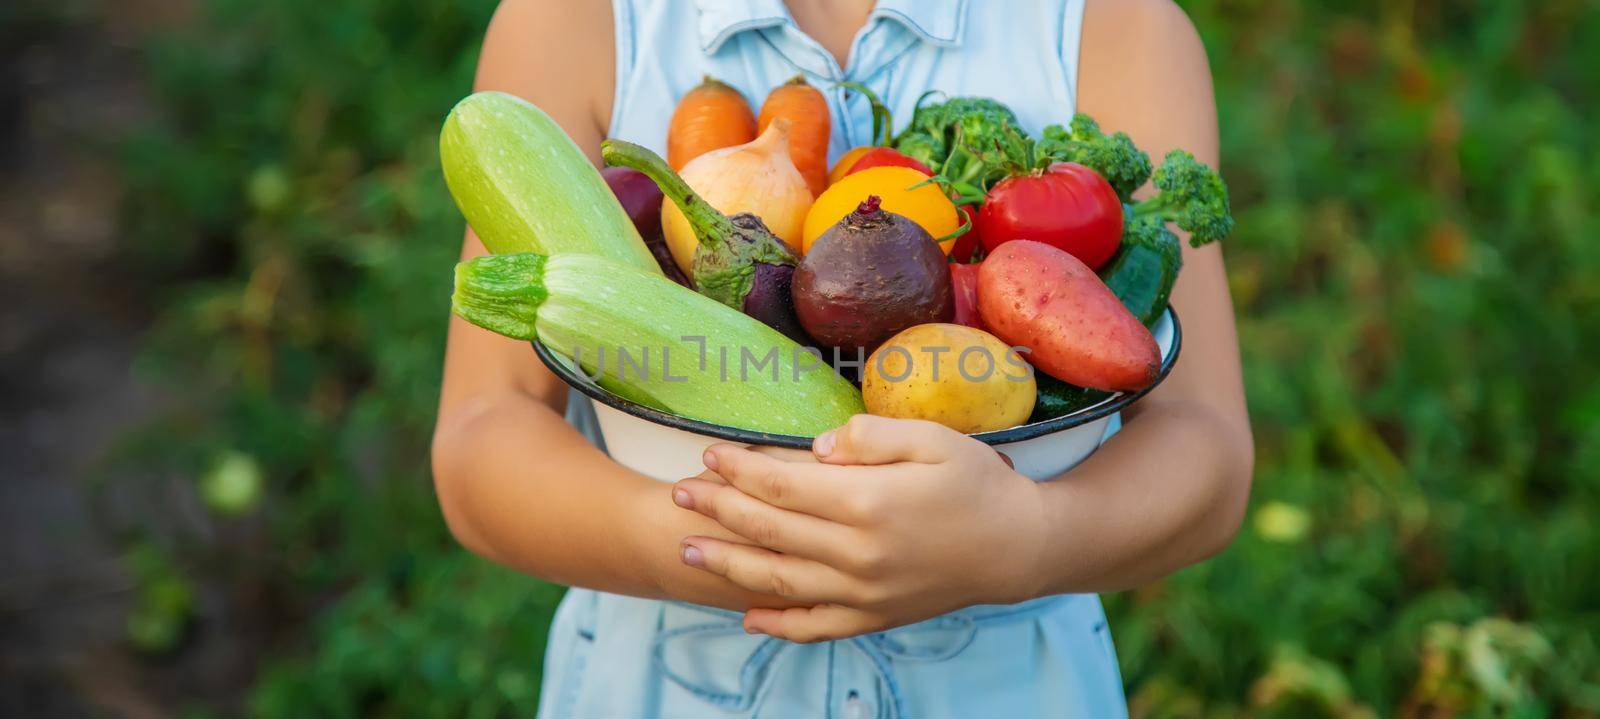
739	262
641	199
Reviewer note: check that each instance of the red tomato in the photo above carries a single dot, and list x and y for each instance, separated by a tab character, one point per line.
887	157
964	289
1068	206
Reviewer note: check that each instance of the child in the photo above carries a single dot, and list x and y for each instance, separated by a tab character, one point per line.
900	568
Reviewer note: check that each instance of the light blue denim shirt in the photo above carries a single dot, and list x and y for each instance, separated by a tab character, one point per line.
1023	53
615	656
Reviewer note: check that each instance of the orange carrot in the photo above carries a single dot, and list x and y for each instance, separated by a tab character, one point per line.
807	112
710	117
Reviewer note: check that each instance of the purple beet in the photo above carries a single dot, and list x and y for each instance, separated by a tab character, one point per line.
641	199
870	276
739	262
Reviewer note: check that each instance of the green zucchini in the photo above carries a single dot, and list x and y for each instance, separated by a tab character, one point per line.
1144	270
1057	398
690	355
524	185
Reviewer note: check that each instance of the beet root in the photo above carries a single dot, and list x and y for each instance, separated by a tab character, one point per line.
868	277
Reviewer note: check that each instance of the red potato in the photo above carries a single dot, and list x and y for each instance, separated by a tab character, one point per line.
1033	295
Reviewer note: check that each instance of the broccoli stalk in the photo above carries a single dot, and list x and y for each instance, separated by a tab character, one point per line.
1115	157
1191	195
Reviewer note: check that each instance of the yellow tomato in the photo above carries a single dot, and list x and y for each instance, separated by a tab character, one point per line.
842	167
926	205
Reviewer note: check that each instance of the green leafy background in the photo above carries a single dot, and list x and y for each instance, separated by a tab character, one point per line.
1416	269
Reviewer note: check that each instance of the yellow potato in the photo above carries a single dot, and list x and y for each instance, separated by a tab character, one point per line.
963	378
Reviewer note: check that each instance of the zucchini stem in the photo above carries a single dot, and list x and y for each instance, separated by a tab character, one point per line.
501	293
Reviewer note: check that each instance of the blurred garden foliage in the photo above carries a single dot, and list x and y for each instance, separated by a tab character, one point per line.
1416	271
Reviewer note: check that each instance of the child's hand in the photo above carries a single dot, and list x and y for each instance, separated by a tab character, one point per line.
902	521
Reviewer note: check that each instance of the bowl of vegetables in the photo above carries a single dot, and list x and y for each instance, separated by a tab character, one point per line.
961	272
668	446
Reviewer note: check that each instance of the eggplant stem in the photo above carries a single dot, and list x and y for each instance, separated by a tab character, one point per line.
710	226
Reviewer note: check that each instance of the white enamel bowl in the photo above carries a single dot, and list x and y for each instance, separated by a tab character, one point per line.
668	447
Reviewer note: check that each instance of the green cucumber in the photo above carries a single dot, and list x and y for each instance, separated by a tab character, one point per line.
524	185
1143	272
1057	398
691	355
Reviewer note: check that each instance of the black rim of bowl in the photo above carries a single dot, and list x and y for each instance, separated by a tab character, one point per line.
1115	403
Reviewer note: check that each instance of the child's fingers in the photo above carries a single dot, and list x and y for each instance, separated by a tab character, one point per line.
867	439
821	623
768	526
710	476
768	572
784	453
807	487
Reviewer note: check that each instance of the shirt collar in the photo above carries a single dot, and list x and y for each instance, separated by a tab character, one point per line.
722	19
937	22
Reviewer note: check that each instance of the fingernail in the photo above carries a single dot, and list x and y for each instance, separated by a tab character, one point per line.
710	460
753	630
682	498
692	556
823	446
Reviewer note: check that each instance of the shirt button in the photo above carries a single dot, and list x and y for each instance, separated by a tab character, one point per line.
855	707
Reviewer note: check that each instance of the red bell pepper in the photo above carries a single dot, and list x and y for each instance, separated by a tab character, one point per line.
964	287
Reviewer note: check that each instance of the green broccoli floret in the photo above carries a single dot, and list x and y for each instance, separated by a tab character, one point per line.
940	118
1115	157
924	148
1149	230
980	116
964	139
986	150
1192	196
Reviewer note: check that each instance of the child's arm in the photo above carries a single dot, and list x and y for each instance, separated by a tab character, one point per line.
516	483
1174	483
941	522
